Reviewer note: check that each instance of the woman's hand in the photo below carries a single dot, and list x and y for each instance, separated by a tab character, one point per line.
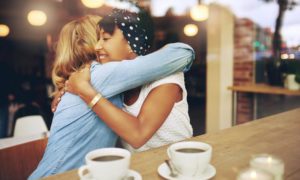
78	81
56	100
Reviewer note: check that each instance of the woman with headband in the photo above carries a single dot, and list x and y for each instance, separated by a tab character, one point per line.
76	129
156	113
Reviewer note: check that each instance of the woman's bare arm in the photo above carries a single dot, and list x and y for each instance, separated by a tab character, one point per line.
134	130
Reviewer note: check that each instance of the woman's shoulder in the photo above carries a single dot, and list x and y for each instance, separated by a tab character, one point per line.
177	78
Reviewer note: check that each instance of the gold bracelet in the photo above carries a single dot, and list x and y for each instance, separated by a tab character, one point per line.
95	100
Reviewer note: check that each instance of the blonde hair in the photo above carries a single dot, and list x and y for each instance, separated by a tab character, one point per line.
75	47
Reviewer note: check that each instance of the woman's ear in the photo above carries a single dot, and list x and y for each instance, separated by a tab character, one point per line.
129	49
131	53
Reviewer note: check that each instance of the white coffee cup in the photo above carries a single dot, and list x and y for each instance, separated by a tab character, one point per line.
188	158
106	164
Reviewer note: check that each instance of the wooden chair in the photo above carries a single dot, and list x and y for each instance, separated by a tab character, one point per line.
18	162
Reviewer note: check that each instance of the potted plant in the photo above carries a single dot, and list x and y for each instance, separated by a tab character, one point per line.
291	70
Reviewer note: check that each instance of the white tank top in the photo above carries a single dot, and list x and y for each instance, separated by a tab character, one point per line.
176	127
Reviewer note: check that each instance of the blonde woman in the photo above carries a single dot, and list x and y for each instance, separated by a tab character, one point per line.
74	48
75	128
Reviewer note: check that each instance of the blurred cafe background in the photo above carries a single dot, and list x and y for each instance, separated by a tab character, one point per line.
237	44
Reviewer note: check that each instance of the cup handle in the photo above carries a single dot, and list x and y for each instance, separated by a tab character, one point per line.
169	153
81	170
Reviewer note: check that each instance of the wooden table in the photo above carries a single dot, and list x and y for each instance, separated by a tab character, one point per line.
257	89
263	89
233	147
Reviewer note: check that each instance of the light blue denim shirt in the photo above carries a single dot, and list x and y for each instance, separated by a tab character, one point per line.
76	129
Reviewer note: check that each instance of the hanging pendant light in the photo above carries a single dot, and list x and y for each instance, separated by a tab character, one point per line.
199	12
190	30
93	3
4	30
37	17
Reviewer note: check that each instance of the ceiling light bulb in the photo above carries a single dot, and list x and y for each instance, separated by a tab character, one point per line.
37	17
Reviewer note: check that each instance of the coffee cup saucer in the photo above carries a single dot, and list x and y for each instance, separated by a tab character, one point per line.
132	174
164	171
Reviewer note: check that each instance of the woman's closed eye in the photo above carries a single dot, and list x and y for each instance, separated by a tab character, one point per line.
106	36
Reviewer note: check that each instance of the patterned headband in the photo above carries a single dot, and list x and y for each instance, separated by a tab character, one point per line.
136	29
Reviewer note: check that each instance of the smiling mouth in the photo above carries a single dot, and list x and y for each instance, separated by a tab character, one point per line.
100	57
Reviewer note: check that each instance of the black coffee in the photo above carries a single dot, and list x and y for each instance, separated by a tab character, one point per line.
107	158
190	150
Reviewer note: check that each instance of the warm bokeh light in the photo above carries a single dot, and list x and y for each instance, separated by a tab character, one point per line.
199	12
284	56
292	56
93	3
253	175
4	30
190	30
37	17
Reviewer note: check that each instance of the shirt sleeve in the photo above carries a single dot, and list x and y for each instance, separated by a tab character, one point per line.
177	78
129	74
